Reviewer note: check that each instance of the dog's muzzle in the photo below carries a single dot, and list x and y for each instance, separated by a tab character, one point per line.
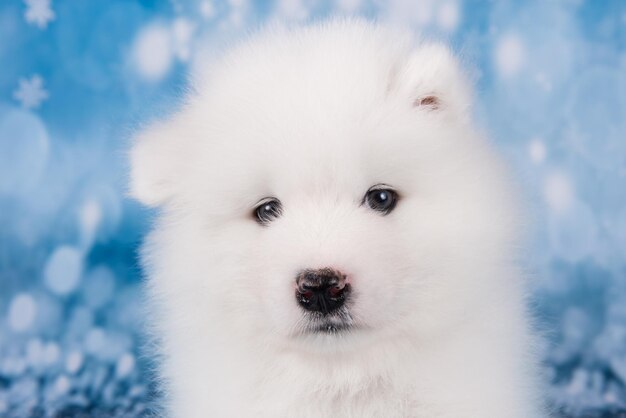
324	290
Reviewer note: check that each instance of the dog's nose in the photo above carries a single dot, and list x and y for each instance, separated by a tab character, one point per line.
323	290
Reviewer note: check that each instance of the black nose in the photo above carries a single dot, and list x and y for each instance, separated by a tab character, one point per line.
323	290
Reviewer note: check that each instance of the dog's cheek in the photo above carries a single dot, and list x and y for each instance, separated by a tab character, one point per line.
278	309
270	286
377	291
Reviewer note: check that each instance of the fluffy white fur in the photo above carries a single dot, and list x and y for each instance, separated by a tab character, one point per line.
315	116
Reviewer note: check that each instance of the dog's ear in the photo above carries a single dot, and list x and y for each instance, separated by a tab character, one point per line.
156	163
432	80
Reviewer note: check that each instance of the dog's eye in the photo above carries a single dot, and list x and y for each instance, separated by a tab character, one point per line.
381	199
268	210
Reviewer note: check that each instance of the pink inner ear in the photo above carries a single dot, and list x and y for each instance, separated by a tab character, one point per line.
431	102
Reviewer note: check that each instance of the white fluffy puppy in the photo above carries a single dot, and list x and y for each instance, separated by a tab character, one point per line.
334	238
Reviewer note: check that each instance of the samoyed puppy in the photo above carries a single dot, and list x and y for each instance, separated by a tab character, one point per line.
334	237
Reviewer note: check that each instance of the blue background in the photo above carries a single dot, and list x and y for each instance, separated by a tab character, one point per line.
77	77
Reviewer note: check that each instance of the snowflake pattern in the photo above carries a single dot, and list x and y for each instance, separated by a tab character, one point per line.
31	92
39	12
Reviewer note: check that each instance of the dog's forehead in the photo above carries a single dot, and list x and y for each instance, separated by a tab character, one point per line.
299	121
285	148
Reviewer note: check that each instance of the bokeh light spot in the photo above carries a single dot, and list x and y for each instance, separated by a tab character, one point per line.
22	312
63	270
152	52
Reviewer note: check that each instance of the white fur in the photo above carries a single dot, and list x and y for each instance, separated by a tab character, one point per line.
315	116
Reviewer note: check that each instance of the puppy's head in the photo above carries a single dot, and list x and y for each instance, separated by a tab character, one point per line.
324	184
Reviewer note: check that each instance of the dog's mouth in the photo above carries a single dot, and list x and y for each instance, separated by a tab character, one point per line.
331	328
339	321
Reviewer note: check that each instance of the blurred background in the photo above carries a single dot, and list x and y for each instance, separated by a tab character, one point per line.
77	77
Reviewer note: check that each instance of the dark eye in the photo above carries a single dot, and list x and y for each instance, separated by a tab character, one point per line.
267	210
381	199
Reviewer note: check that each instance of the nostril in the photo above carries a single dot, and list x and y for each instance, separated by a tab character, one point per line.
305	295
336	291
